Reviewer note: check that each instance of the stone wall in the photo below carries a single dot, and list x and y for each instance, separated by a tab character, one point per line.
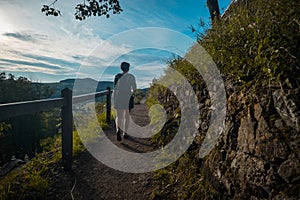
257	156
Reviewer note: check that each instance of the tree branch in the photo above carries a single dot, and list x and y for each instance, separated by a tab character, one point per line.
83	10
52	4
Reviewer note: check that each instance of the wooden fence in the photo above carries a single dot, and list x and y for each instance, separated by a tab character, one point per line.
65	103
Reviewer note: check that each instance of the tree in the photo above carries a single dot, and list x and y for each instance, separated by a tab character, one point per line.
87	8
213	7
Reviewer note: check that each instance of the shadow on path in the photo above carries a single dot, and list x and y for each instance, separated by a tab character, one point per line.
90	179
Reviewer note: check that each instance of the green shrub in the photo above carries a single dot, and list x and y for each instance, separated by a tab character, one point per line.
257	41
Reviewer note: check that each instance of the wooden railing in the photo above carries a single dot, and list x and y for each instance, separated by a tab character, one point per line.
65	103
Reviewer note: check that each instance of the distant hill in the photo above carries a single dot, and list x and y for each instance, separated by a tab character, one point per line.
83	86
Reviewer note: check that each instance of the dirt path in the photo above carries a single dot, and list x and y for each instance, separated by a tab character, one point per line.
90	179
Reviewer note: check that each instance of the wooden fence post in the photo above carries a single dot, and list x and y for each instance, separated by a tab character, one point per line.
108	105
67	129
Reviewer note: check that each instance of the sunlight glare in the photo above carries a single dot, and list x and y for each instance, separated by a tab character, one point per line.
5	27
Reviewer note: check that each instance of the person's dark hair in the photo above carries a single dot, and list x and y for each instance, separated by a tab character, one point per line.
125	66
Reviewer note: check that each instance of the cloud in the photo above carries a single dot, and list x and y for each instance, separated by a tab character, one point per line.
29	68
24	37
61	62
33	65
35	43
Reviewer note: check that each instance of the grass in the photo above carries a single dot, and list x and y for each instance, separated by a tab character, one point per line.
258	42
33	180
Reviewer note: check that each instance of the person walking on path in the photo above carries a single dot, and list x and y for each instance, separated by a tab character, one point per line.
124	86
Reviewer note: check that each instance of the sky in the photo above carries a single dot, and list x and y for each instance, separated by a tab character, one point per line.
49	49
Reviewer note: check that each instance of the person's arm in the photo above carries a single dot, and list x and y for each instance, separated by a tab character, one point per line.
115	83
133	83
